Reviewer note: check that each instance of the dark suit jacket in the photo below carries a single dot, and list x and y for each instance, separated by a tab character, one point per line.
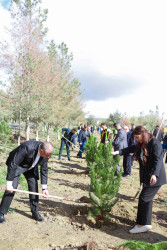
154	165
67	131
120	140
82	137
22	158
160	134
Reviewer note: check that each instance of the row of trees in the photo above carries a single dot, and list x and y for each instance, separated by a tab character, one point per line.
41	87
150	120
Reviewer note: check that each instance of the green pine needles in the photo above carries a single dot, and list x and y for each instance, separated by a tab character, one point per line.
91	149
135	245
104	185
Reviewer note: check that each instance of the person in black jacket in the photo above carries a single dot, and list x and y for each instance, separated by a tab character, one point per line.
25	160
165	148
127	159
148	151
158	133
104	133
68	136
82	139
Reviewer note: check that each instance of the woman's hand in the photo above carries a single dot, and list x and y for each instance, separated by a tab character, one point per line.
153	180
115	153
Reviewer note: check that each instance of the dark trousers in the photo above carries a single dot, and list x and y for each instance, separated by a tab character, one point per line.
118	166
82	146
32	186
144	214
127	163
63	142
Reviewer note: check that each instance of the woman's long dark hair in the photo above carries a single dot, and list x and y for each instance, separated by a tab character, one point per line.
146	137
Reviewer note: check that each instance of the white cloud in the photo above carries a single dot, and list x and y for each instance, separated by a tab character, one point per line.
116	39
4	24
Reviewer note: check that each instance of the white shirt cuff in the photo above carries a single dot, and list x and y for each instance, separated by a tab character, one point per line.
44	186
9	183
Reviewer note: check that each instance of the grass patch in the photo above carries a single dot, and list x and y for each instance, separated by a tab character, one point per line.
23	183
3	173
50	170
56	152
63	166
11	210
163	202
135	245
1	194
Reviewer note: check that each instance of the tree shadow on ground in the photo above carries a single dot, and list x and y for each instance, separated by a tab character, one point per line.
69	171
124	197
22	212
70	166
77	214
71	184
160	217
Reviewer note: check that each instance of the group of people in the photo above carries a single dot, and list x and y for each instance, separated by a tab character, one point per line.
69	138
121	138
136	143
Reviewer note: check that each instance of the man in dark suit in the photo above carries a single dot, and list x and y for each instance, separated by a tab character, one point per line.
25	160
158	133
120	140
68	136
128	159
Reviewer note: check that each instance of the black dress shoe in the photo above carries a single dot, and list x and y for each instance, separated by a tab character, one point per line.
37	216
126	175
2	218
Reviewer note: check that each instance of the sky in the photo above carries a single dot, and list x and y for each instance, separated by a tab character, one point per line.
119	49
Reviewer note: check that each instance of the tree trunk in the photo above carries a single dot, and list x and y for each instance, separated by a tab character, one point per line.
37	134
27	128
37	137
19	137
58	135
48	139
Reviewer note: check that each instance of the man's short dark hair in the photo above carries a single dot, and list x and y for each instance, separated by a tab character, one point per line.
117	123
74	129
104	124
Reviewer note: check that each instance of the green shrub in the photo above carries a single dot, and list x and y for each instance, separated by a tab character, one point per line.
137	245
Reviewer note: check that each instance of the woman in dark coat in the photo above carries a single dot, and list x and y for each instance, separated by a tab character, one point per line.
149	153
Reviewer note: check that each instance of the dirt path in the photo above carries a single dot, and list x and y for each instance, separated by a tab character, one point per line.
66	225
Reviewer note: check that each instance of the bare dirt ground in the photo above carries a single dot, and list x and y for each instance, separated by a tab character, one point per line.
66	223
